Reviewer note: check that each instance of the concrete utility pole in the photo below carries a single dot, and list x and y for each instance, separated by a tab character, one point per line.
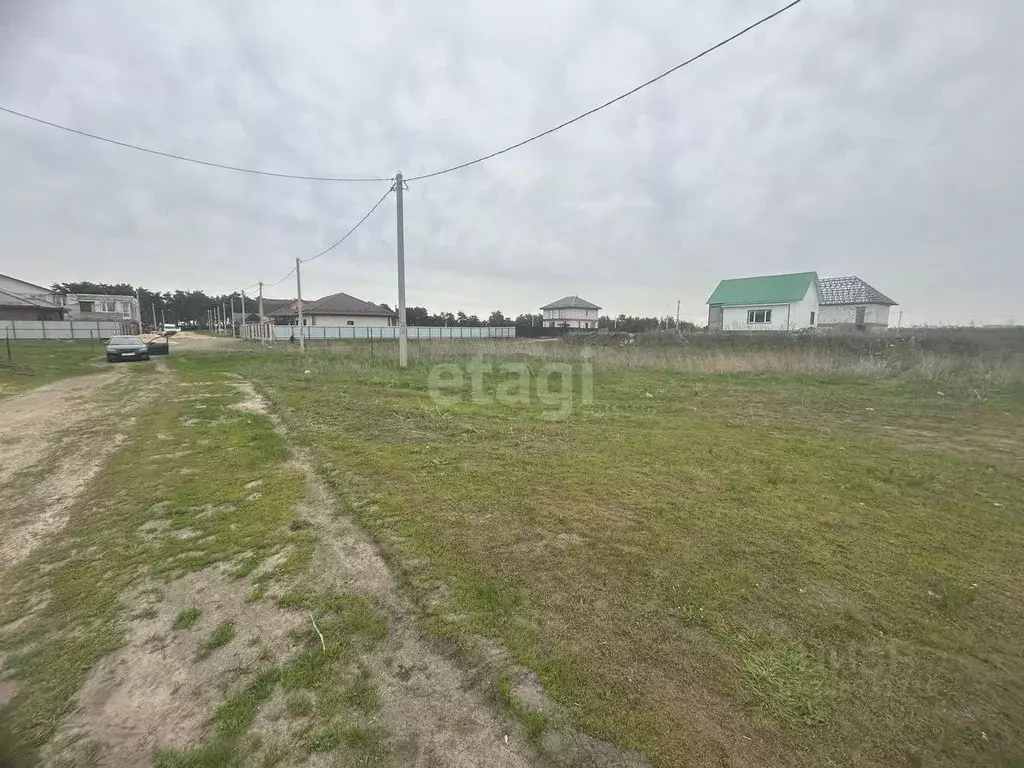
163	320
403	331
677	313
233	316
223	315
242	327
263	320
153	307
298	289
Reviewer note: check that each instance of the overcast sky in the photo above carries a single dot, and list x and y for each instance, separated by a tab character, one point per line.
878	138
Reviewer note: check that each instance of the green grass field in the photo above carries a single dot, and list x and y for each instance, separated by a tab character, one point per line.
800	555
38	362
787	568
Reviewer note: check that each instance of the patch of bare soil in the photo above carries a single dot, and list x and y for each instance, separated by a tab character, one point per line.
52	441
252	402
156	690
189	340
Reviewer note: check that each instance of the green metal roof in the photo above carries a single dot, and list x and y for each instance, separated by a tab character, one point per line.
768	289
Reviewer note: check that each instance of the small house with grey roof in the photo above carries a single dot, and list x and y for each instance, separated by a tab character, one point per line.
570	312
850	304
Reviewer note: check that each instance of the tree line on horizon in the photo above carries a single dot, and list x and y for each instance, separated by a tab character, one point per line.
189	308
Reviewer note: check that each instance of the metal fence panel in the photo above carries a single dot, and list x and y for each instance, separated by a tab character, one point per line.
389	332
28	330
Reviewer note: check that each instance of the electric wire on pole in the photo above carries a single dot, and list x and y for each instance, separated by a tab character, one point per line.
517	145
183	158
610	102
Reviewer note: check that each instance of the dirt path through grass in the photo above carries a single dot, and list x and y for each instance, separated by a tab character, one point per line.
52	441
441	714
218	610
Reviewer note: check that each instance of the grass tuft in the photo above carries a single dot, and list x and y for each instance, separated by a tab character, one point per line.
187	618
786	684
299	703
221	636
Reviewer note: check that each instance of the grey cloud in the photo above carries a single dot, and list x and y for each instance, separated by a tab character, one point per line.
873	138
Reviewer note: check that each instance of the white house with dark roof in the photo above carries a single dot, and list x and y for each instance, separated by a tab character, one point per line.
570	312
850	304
338	309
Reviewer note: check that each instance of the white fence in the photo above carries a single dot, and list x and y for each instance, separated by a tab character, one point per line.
65	329
328	332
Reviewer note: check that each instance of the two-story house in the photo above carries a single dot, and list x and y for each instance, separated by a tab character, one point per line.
97	306
570	312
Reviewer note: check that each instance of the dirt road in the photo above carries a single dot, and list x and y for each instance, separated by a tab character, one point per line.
190	340
52	441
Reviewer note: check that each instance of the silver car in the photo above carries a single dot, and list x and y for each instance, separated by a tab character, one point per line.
126	348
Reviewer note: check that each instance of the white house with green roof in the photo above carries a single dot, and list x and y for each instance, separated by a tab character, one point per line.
766	303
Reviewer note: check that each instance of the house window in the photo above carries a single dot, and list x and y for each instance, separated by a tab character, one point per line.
351	322
759	316
85	306
812	318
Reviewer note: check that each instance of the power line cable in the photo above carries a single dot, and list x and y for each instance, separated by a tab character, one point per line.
598	108
358	224
173	156
440	172
278	282
334	245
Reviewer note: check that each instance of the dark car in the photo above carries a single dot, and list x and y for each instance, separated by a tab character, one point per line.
126	348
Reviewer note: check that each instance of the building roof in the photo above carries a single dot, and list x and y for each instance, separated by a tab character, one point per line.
570	302
104	296
270	306
851	290
343	304
336	303
43	288
767	289
8	299
289	308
